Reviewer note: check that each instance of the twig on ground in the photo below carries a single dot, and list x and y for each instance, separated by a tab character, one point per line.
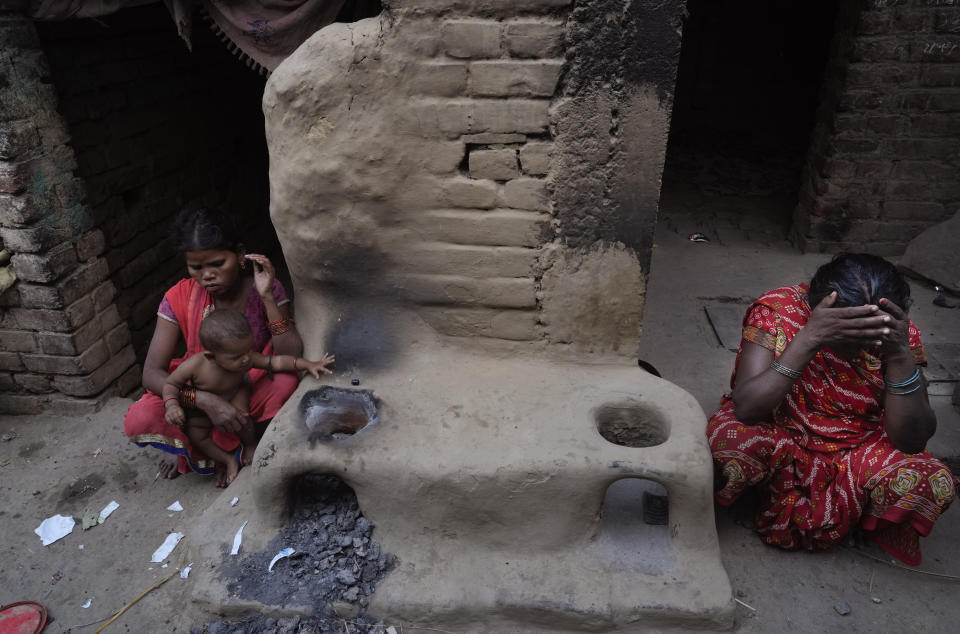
127	606
751	608
892	564
871	580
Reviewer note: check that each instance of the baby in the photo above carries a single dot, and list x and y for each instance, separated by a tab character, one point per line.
221	369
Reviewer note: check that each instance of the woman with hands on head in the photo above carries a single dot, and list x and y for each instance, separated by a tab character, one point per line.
222	275
828	414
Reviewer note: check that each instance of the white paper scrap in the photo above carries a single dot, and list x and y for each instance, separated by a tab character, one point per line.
234	501
87	604
176	506
185	571
237	538
286	552
166	547
80	547
391	630
53	528
107	510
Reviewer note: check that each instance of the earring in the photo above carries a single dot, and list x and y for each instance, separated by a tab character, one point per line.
243	263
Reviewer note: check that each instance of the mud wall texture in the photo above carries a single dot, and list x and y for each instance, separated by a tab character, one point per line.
884	158
109	127
494	164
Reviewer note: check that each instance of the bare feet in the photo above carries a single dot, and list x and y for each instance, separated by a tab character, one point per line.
169	466
231	469
247	456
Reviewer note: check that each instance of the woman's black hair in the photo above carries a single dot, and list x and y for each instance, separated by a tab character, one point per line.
859	279
203	228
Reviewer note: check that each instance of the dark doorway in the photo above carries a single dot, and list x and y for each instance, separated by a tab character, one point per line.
747	91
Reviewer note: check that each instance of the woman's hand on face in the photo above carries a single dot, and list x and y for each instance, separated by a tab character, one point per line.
263	274
897	338
223	415
862	326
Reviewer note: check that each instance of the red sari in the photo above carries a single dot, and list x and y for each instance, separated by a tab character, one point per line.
824	462
187	304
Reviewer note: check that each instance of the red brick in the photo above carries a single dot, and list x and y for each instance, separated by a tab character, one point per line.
18	341
11	361
47	267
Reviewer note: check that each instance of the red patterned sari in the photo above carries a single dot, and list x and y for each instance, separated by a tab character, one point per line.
187	304
824	461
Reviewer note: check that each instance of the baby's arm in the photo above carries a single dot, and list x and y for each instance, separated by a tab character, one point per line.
287	363
171	391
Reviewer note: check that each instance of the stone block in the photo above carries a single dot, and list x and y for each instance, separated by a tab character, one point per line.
80	312
7	384
451	289
429	118
70	344
18	138
472	39
14	177
110	317
499	227
47	267
512	325
40	296
21	404
99	379
524	116
468	193
439	78
514	78
498	165
468	261
535	158
526	193
11	362
83	281
35	319
88	361
90	245
32	240
34	383
489	138
103	295
118	338
945	48
18	340
534	38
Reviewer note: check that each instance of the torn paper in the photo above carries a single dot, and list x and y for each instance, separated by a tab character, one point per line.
166	548
237	539
53	528
176	506
107	510
286	552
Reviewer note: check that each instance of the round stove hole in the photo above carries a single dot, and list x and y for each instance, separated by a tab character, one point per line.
631	425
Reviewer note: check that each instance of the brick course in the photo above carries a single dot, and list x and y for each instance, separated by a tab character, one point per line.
887	143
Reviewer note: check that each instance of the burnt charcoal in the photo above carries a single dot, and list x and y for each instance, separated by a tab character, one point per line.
335	559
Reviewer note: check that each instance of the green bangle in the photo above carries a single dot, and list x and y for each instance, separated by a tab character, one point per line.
776	366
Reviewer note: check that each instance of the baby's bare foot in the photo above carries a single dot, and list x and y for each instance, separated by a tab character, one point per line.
233	468
248	451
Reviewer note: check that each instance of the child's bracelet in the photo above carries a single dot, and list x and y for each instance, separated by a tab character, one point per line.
188	396
295	365
171	398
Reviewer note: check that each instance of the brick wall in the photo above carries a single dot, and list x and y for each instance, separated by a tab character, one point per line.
885	154
60	333
107	128
157	128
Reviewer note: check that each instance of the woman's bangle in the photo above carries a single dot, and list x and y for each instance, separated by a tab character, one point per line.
913	378
188	396
905	392
776	366
279	326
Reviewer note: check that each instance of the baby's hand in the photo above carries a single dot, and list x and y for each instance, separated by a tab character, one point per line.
175	415
316	367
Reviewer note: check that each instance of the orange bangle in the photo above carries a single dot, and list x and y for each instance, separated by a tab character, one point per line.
295	365
279	326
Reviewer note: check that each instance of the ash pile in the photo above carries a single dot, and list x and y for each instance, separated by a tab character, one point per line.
334	568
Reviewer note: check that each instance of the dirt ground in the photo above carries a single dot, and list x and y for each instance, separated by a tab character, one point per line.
63	465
